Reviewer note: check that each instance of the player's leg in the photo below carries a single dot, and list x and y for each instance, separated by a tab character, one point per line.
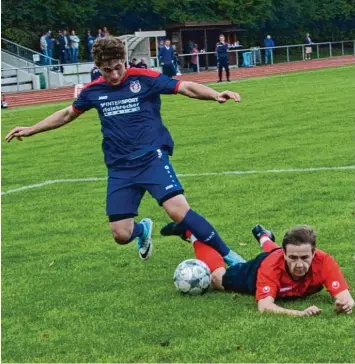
265	238
162	183
227	70
121	207
220	70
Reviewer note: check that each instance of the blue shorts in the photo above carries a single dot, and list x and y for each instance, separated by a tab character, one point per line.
128	182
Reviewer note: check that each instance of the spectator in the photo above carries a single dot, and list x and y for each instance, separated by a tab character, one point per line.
44	50
63	44
133	63
105	32
194	51
142	63
268	45
190	46
50	46
74	45
222	58
89	43
95	73
308	48
3	102
176	61
166	59
99	34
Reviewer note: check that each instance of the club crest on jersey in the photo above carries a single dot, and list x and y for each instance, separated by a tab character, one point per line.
135	86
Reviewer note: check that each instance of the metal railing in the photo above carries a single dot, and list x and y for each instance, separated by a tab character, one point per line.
27	53
279	54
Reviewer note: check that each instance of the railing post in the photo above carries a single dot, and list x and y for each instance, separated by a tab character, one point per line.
17	80
317	50
330	50
303	57
77	72
198	63
342	48
18	51
48	78
237	58
288	54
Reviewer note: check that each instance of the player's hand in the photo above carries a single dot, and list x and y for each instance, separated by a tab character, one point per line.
344	306
311	311
226	95
19	132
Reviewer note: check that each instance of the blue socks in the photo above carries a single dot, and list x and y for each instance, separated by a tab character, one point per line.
204	231
138	231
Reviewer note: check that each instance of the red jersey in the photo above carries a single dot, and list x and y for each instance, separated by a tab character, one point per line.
274	280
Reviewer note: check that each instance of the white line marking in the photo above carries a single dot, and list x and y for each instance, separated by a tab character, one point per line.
239	173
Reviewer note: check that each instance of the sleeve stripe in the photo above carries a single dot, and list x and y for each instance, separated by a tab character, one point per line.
176	88
77	111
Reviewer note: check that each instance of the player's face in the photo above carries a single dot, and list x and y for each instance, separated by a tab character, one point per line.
113	72
298	259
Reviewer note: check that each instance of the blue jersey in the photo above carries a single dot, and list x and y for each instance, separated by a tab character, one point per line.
130	117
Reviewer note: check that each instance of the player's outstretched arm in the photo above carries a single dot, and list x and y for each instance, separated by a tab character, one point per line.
53	121
344	303
267	304
202	92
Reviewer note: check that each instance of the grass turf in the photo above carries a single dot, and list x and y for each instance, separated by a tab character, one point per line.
69	294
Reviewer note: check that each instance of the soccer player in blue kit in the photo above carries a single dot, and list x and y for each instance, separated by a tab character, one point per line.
137	145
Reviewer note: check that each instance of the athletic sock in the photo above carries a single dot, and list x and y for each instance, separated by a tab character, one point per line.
138	231
267	244
204	231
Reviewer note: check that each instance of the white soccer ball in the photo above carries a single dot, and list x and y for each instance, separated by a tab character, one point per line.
192	277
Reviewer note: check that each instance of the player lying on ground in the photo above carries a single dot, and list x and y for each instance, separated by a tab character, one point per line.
297	269
136	145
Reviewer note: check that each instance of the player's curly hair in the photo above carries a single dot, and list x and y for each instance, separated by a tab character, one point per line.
302	234
108	49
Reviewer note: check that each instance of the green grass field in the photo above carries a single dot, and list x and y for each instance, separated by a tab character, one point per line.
70	294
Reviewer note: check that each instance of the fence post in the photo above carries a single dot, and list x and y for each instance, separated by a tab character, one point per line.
18	51
317	50
17	79
77	72
48	78
303	53
288	54
198	63
330	50
237	58
342	48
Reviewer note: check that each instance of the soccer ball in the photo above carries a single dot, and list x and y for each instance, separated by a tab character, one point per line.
192	277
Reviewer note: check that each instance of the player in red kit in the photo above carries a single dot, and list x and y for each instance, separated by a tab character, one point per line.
297	269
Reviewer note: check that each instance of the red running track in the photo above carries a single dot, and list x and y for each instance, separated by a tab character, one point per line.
67	93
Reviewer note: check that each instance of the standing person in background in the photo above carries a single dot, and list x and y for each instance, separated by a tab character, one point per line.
95	73
44	51
50	46
166	59
63	44
308	48
268	45
194	51
142	64
74	45
190	46
90	39
176	61
133	64
99	34
222	58
105	32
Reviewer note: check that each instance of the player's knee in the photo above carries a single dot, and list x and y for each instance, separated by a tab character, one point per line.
122	235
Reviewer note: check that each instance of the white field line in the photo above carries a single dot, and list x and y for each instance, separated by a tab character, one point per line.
208	174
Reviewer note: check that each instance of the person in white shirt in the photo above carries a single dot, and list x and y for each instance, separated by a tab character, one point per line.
74	44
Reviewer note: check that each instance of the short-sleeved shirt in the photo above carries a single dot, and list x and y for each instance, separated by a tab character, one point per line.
129	113
274	280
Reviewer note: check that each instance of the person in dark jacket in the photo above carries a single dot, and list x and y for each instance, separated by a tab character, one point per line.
308	48
90	39
142	64
166	59
222	58
63	45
